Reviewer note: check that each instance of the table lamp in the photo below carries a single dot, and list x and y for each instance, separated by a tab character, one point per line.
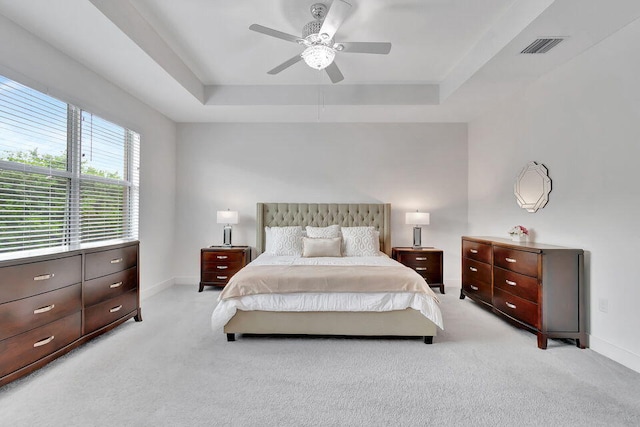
417	219
227	218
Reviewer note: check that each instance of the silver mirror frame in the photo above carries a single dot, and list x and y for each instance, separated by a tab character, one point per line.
532	187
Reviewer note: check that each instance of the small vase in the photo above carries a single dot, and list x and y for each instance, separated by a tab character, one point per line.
517	238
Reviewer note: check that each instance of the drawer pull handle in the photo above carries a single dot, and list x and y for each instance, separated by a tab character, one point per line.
44	309
222	257
221	277
473	251
421	258
473	269
222	267
509	282
475	288
421	268
115	285
44	277
44	341
510	260
510	305
116	261
114	309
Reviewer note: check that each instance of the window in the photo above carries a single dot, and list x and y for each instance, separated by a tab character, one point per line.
66	176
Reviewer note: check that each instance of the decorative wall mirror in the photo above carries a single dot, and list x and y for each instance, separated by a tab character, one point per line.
532	187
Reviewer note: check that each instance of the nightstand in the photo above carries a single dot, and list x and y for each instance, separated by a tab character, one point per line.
219	263
427	262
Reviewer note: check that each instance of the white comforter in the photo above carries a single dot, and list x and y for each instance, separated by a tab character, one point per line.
427	304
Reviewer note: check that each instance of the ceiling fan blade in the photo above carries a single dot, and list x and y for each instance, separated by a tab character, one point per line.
334	73
286	64
335	16
366	47
275	33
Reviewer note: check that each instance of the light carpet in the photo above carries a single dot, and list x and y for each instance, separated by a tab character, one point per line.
172	370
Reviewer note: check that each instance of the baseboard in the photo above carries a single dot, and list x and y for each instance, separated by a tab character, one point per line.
158	287
615	353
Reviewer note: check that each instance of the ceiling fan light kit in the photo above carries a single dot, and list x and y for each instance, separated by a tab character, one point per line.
317	38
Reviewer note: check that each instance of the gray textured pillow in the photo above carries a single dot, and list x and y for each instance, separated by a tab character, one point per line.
324	232
321	247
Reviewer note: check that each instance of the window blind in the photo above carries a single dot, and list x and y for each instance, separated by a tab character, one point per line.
66	175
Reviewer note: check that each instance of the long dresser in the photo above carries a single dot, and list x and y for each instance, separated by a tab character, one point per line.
50	304
536	286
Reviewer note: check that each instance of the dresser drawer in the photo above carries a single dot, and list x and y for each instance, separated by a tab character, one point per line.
25	280
102	314
478	290
476	251
29	313
515	260
112	285
35	344
474	271
516	307
517	284
99	264
223	257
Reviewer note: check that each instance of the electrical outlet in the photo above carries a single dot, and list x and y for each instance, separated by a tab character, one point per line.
603	305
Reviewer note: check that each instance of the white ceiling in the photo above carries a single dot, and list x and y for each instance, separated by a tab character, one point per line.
196	60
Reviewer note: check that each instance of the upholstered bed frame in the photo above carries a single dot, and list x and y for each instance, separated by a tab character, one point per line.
407	322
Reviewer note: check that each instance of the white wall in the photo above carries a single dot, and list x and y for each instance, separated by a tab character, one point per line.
33	62
411	166
583	122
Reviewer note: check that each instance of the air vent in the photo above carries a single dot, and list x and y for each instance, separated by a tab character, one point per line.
542	45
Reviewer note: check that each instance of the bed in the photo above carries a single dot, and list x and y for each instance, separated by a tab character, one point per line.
411	312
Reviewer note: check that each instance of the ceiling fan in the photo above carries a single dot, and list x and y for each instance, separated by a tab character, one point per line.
317	39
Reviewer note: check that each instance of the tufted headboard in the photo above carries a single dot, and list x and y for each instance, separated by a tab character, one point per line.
323	214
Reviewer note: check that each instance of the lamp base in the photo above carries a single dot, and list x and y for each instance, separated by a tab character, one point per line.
417	237
227	235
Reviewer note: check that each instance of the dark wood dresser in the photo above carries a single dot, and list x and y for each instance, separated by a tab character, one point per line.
536	286
50	304
219	263
427	262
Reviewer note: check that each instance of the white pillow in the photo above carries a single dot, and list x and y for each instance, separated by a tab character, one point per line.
321	247
283	240
361	241
323	232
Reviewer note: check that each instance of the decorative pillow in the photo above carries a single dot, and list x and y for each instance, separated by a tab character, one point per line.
361	241
323	232
321	247
283	240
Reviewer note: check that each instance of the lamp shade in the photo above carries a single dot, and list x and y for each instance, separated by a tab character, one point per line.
417	218
227	217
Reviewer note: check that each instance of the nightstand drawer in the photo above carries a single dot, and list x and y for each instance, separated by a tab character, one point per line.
223	257
219	279
517	284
